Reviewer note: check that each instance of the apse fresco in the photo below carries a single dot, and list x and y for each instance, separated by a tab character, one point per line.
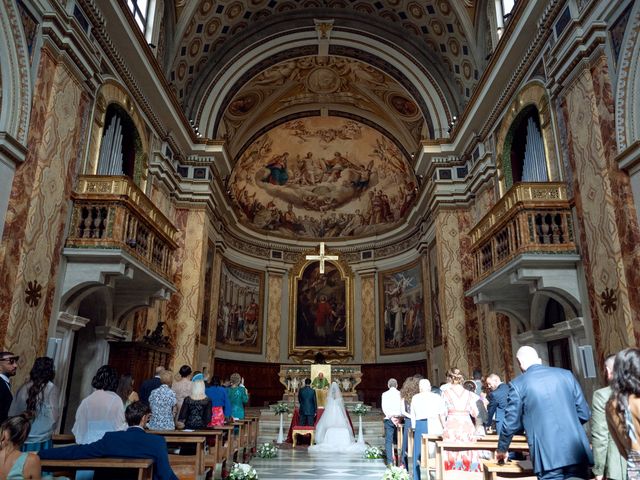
322	177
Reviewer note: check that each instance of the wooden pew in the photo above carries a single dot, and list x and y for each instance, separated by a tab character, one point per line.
144	466
492	446
429	439
520	469
64	439
186	467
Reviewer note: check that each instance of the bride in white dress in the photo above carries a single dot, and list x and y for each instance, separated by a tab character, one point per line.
333	430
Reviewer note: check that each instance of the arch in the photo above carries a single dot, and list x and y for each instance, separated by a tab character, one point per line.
628	85
14	74
532	94
112	92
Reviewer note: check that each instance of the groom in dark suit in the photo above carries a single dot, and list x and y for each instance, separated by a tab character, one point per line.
131	443
308	404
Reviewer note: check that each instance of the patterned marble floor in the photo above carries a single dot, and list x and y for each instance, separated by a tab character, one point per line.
297	464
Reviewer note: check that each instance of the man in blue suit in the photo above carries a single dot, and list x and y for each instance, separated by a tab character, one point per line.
308	404
549	404
497	401
131	443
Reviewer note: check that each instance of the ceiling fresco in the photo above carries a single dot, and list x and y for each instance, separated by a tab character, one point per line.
322	177
315	82
433	25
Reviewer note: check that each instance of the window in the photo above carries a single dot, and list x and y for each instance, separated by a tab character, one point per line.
140	11
503	12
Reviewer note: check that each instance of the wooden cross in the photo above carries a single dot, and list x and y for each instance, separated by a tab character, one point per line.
322	257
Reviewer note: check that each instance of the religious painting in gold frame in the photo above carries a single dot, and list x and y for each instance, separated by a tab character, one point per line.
402	310
321	308
240	309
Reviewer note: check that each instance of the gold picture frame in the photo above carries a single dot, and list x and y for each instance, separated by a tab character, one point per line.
331	331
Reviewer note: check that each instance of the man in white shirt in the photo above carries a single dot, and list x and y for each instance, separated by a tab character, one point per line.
427	416
392	409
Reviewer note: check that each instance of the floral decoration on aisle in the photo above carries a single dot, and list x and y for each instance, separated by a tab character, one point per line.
281	408
267	450
361	409
371	453
243	471
395	473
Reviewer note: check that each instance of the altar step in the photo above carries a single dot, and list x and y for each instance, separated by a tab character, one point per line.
372	426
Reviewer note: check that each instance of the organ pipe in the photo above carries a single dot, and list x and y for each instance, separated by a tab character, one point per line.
110	159
534	167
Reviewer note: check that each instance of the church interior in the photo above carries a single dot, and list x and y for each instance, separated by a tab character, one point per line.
389	187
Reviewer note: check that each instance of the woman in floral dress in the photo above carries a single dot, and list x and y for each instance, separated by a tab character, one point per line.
163	403
459	427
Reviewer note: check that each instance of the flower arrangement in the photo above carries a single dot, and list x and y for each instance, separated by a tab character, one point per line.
267	450
243	471
281	408
395	473
372	453
360	409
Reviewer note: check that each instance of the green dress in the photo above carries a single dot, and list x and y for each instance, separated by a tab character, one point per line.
238	397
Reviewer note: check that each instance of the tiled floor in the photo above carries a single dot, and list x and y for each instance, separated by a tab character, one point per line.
293	464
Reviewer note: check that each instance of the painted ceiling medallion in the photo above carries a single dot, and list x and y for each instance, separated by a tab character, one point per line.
33	293
609	300
322	177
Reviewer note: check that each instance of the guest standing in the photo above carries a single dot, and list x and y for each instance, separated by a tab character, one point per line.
14	464
150	385
195	413
308	404
607	461
162	401
459	427
238	396
427	416
38	398
8	368
550	405
125	390
182	388
392	408
497	401
623	409
220	405
408	390
102	411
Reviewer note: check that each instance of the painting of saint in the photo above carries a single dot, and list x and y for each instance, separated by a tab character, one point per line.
321	308
240	307
402	310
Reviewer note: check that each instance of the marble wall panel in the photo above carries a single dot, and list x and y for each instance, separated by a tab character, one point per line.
504	346
608	233
472	324
451	301
274	317
215	298
368	319
35	229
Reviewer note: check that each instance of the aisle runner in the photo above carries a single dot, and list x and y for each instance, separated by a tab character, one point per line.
299	464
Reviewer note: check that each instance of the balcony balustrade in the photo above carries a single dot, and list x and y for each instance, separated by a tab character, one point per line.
111	212
532	218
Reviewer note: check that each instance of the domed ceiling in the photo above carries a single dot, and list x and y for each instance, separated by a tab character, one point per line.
322	177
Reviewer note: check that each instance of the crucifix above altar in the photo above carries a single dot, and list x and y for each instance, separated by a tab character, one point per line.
322	257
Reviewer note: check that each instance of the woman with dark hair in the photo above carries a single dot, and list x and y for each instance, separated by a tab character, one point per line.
408	390
102	411
125	390
220	405
14	464
182	388
623	409
38	399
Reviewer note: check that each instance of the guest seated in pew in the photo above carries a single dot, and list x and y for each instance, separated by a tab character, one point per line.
163	404
131	443
14	464
195	413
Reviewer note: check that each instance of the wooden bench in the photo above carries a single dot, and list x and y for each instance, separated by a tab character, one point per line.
186	467
430	439
144	466
63	439
520	469
491	446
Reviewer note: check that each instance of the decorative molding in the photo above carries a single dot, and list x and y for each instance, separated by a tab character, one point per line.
72	322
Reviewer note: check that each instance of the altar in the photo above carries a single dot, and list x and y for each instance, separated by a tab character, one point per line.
348	377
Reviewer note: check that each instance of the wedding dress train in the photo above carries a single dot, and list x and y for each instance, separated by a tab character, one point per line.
333	431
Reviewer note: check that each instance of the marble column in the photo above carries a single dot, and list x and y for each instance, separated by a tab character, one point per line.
368	316
275	285
215	305
34	230
606	217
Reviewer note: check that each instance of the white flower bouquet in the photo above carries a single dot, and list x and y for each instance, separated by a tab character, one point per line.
360	409
243	471
395	473
267	450
374	452
281	408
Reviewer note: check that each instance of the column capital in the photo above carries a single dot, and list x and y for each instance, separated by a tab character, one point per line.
72	322
110	334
